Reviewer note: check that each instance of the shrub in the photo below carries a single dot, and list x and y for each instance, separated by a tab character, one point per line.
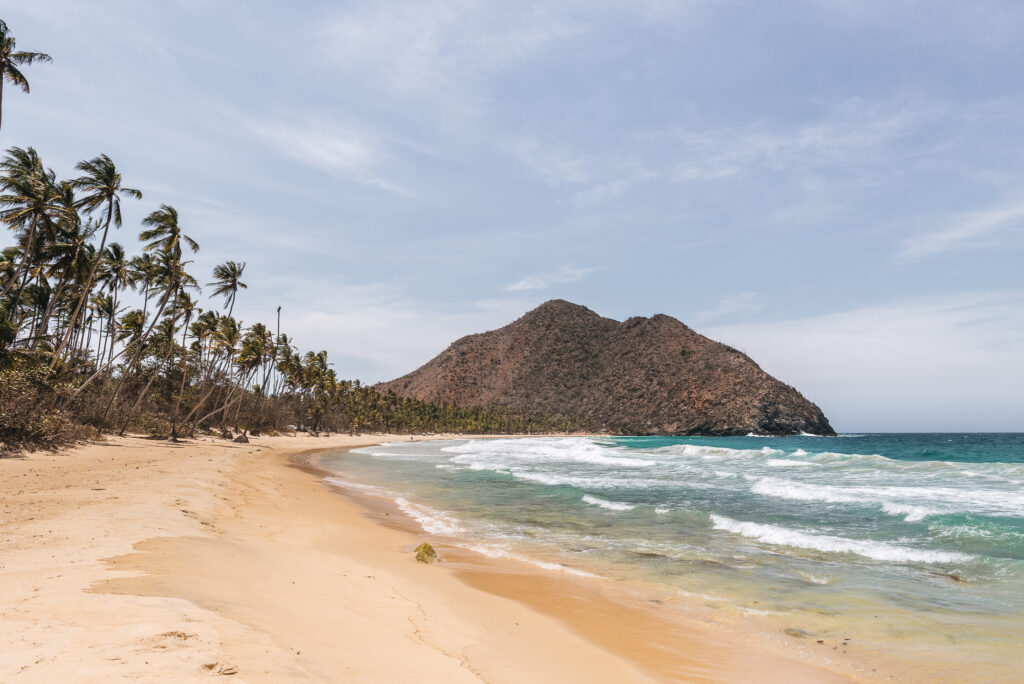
30	416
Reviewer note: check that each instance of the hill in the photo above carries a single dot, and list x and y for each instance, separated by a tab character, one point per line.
639	376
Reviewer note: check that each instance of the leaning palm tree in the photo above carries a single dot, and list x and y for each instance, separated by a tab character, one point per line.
186	308
142	269
31	202
164	233
116	276
102	184
11	59
227	279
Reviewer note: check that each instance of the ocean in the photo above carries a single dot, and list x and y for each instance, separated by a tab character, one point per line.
906	543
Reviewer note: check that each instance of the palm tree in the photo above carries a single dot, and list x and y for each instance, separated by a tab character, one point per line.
32	201
257	349
102	185
164	339
11	59
140	276
164	232
106	310
227	278
116	276
69	259
186	308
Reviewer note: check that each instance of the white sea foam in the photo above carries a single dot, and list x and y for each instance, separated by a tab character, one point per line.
799	452
430	519
498	454
790	463
758	611
369	489
662	510
800	491
492	551
610	505
912	513
781	536
902	499
709	453
816	579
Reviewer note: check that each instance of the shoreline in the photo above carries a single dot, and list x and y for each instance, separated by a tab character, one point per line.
161	562
621	617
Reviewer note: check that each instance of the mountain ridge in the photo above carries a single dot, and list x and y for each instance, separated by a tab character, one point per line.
653	376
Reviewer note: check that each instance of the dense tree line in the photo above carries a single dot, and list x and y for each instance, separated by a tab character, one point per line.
93	336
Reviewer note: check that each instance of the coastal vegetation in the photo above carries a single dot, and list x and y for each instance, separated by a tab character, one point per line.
94	338
97	337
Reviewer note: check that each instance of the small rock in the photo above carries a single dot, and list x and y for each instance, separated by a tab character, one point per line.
241	439
425	553
798	633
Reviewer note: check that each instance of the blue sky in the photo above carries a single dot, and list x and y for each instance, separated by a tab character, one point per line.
835	187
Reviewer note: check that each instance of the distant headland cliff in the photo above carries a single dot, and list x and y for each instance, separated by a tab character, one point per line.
643	376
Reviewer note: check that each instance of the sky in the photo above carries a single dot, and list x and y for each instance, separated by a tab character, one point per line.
835	187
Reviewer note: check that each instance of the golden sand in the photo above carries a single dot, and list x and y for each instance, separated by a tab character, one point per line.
148	561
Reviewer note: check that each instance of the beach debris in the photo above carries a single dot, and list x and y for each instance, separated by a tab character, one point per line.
425	553
241	439
220	669
797	633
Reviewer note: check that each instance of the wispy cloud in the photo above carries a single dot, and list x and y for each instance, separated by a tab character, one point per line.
980	230
852	131
348	152
433	49
546	280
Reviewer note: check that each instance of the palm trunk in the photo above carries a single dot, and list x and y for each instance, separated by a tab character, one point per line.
206	396
181	390
44	323
101	341
24	257
142	394
88	282
135	357
227	405
112	327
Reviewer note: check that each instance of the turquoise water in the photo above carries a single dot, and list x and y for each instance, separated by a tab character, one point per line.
917	538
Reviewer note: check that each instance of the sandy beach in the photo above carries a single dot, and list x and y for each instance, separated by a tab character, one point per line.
148	561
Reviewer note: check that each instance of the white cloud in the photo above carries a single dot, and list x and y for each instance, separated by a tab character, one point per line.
980	230
546	280
345	151
942	364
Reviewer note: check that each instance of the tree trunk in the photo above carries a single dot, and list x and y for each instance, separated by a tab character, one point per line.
142	394
44	323
26	255
135	357
181	391
88	282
